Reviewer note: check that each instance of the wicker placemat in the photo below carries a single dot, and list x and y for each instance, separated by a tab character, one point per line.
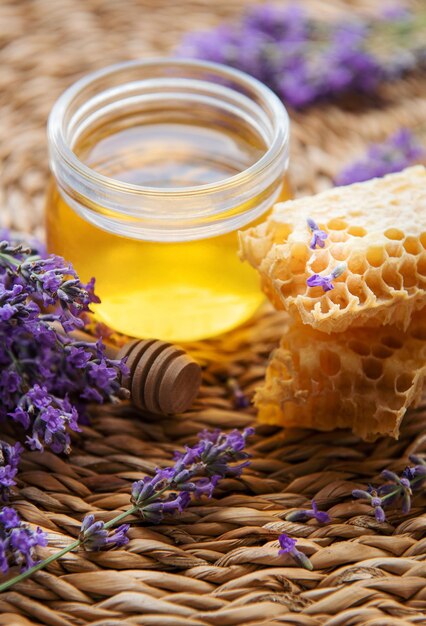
218	562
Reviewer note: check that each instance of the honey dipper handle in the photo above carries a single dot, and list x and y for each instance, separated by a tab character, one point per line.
163	379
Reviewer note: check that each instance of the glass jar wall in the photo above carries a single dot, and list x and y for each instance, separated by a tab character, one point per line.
156	166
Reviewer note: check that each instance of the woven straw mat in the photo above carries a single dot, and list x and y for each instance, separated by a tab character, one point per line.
218	563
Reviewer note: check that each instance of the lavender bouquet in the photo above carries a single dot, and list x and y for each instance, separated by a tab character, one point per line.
45	376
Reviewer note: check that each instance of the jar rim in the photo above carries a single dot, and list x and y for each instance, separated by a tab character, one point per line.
57	139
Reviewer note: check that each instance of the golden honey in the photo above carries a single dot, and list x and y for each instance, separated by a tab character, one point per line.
178	279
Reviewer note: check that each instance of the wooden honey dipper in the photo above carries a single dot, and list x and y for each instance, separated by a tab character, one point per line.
162	379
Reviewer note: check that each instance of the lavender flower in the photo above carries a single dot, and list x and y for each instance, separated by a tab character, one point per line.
326	282
94	536
392	155
306	60
9	460
300	516
397	490
17	541
288	546
196	471
318	236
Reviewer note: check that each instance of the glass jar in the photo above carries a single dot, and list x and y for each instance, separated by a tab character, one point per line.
156	165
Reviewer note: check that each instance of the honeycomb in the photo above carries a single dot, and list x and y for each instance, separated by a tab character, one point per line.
378	228
363	379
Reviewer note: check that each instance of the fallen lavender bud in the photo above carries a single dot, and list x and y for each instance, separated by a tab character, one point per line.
313	513
288	546
326	281
18	541
318	236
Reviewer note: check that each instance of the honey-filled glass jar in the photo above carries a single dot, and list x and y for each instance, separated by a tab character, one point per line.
156	165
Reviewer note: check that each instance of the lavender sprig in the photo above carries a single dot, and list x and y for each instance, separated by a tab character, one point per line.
288	546
195	473
326	281
399	151
397	489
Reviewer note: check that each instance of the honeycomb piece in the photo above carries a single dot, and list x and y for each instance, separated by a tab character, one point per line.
378	228
363	379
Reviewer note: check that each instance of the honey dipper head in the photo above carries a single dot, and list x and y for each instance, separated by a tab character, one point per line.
162	378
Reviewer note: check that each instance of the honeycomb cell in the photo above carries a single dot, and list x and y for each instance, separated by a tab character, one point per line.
376	256
381	352
394	233
403	382
337	224
407	270
382	232
358	347
392	278
391	341
357	231
412	245
421	264
357	264
372	368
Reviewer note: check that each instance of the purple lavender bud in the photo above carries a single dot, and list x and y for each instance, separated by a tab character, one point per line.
94	536
288	546
321	516
206	486
304	514
318	236
360	494
379	513
419	470
155	511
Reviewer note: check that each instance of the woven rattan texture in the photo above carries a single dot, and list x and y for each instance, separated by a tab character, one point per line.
217	563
